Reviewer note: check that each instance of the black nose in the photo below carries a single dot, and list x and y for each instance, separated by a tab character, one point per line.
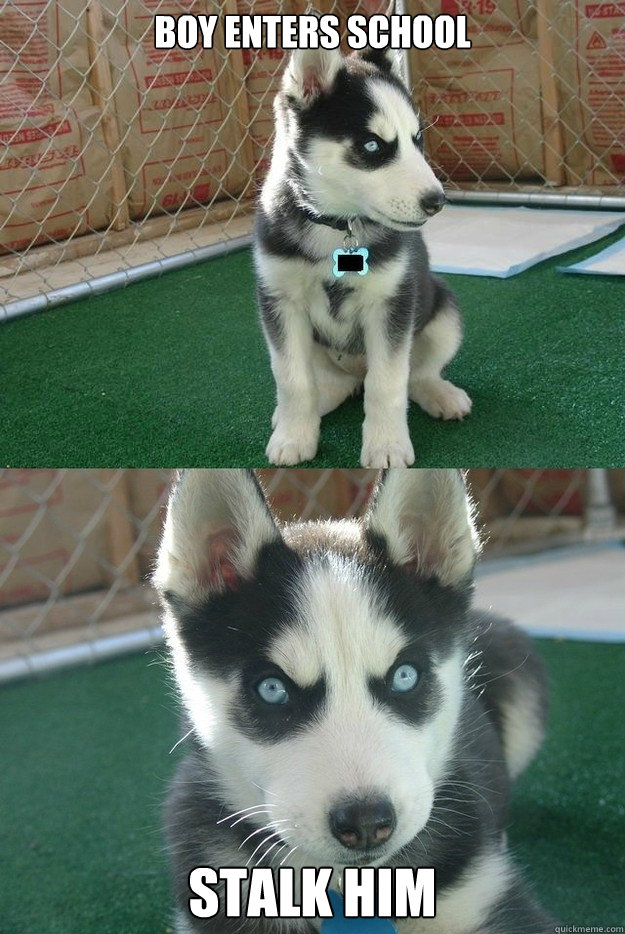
432	202
363	824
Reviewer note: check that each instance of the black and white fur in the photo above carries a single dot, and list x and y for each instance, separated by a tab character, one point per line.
332	609
396	328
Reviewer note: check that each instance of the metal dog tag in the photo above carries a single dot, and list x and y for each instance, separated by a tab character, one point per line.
339	924
350	260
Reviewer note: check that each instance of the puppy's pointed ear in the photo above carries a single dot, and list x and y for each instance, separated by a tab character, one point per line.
310	73
386	60
217	522
425	518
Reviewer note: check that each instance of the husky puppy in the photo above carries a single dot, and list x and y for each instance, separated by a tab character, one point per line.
348	161
345	705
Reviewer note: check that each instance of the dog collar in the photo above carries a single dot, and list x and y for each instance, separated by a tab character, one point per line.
339	924
325	220
352	258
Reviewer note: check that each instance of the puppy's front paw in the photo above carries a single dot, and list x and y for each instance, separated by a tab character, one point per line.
440	398
383	450
292	443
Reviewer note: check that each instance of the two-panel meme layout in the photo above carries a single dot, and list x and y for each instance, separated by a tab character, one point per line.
312	466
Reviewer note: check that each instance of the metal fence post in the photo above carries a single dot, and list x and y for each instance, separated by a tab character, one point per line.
600	513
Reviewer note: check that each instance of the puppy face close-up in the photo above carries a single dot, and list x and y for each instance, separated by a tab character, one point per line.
353	115
332	736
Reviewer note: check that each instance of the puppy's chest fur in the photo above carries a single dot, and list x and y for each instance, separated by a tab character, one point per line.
342	310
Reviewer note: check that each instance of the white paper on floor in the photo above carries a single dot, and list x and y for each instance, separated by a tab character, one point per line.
609	262
503	241
572	593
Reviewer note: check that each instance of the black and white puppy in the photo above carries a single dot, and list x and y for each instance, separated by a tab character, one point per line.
345	704
349	149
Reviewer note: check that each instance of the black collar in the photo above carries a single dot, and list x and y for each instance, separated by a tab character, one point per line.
325	220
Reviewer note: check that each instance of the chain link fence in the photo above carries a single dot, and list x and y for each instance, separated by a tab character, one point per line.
77	546
118	160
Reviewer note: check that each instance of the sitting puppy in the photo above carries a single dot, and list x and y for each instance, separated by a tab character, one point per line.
346	706
349	187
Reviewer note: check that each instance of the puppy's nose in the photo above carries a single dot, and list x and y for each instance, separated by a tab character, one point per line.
363	824
432	202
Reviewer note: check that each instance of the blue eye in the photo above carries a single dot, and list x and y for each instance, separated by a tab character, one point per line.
272	691
371	145
418	138
405	678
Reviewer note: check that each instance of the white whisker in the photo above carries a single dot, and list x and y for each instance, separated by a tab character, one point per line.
249	816
265	854
289	853
186	736
279	850
253	807
262	843
264	790
268	826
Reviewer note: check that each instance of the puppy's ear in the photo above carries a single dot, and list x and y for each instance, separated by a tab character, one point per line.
217	522
310	73
425	518
386	60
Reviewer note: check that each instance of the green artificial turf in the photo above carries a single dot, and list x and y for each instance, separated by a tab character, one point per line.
174	372
85	760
